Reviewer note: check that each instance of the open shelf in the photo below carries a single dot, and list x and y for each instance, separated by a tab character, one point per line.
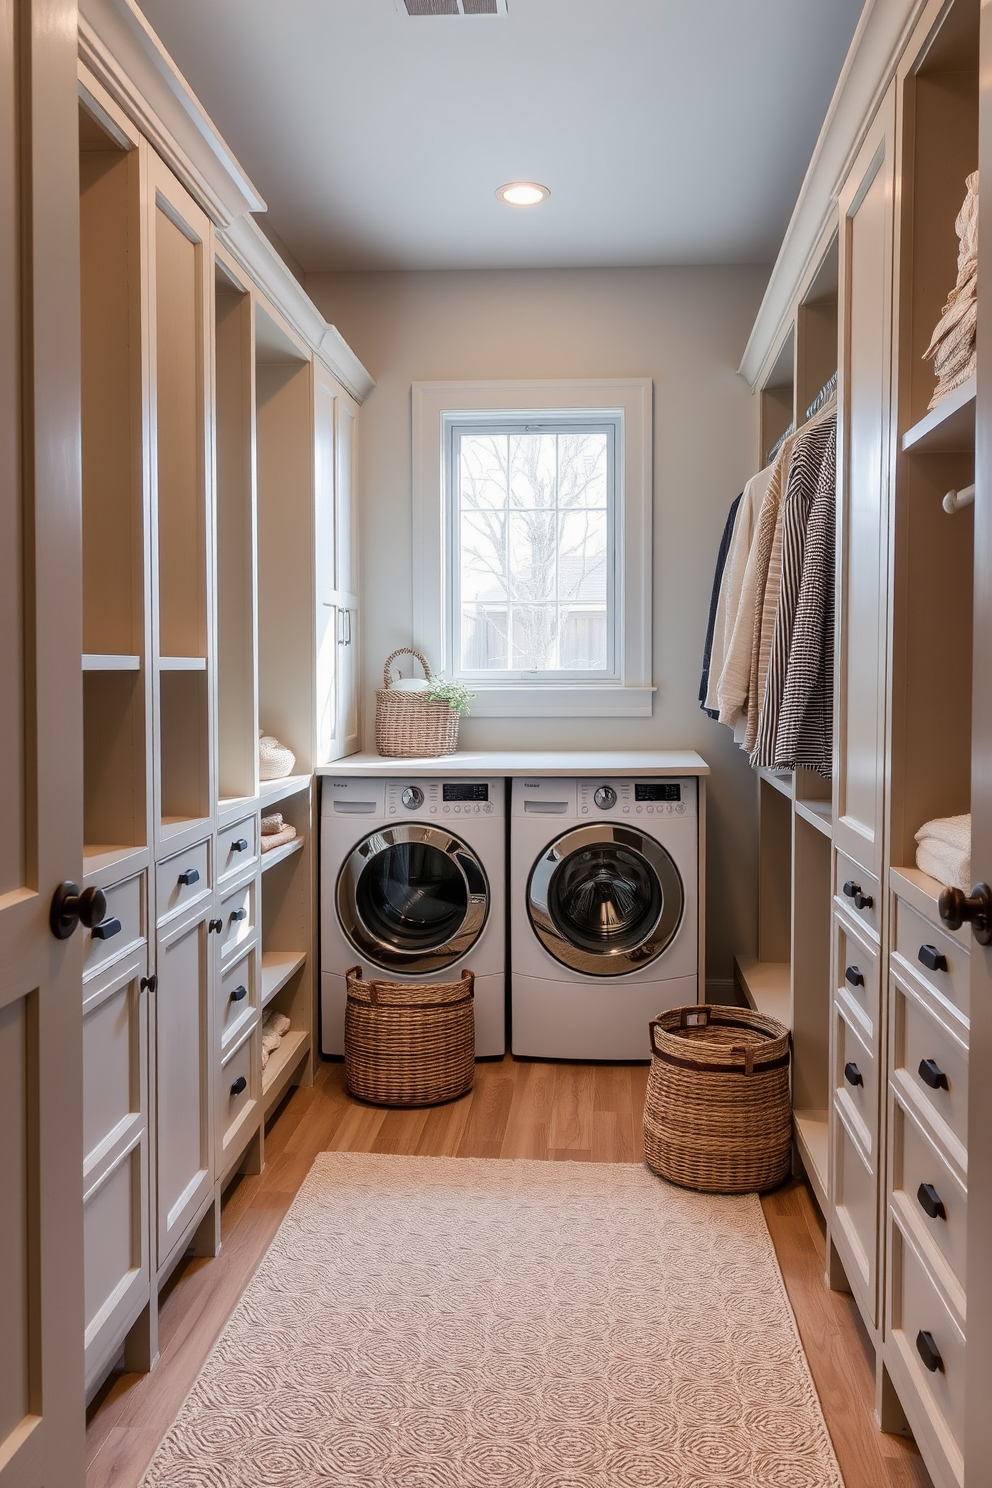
280	854
917	888
277	968
182	663
98	857
767	985
282	1065
813	1141
780	780
947	429
272	791
92	662
819	814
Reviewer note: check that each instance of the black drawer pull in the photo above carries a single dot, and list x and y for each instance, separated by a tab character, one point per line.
240	1084
149	983
930	1201
238	993
931	1074
106	929
240	844
929	1352
863	901
191	876
854	976
853	1075
213	925
851	888
239	914
931	958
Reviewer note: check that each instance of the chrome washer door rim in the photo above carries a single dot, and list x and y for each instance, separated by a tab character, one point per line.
615	960
427	958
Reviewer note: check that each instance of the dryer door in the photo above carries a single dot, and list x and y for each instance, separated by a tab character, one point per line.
605	900
412	898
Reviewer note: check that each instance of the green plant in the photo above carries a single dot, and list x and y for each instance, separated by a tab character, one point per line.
455	694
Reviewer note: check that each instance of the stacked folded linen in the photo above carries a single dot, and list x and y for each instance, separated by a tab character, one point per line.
275	831
944	850
953	348
275	1026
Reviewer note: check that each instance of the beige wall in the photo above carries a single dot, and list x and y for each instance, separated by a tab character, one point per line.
683	327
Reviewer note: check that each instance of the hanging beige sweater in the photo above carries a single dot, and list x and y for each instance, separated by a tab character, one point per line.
733	580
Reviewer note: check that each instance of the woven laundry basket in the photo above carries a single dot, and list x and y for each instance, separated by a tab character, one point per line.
407	724
409	1044
718	1113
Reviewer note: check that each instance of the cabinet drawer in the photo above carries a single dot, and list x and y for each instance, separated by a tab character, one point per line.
238	997
237	848
856	1209
857	977
936	957
123	925
931	1065
182	880
919	1308
858	891
237	1099
856	1082
237	915
933	1200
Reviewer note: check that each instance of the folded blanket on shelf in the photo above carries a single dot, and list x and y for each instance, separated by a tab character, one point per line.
273	823
276	1022
948	865
270	1042
271	840
954	830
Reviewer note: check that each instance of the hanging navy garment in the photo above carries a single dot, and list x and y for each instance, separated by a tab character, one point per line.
721	563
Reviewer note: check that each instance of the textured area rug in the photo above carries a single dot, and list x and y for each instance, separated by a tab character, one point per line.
472	1323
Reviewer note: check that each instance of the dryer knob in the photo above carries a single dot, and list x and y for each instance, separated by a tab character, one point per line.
413	797
605	797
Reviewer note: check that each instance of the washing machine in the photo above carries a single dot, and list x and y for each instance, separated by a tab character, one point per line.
603	912
412	887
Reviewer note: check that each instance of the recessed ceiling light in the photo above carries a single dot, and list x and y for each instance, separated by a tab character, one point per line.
523	194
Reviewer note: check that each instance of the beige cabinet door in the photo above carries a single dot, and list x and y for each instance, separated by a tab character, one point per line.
41	827
336	549
866	238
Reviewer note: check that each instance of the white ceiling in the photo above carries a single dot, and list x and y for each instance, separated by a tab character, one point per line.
669	131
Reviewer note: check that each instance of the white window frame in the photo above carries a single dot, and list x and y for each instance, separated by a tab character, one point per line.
628	692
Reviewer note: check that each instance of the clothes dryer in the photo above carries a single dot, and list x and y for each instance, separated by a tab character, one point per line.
603	912
412	887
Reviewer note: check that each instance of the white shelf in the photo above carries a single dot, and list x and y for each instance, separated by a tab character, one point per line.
100	857
282	1065
947	429
280	854
92	662
767	985
271	791
819	814
277	968
780	780
813	1141
519	762
182	663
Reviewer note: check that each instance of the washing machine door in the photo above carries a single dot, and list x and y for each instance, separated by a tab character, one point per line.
605	900
412	898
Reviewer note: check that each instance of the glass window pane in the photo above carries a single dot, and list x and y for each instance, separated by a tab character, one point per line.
583	640
483	474
534	638
533	555
533	470
484	638
583	557
583	461
483	566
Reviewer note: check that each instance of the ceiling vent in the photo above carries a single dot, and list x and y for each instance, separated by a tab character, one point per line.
451	7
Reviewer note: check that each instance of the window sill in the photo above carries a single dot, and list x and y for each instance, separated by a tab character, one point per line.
527	700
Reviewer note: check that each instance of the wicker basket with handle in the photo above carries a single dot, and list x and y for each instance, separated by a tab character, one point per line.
718	1113
407	724
409	1044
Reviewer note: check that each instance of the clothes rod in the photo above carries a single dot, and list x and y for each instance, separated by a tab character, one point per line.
785	434
955	500
823	396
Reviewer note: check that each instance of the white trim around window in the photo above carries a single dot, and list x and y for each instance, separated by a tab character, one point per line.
628	693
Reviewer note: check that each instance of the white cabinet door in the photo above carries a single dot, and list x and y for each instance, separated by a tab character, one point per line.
183	1079
41	836
336	519
866	245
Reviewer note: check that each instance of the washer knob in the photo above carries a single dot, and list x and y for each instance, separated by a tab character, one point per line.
413	797
605	797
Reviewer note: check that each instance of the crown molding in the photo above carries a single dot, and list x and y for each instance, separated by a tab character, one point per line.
879	40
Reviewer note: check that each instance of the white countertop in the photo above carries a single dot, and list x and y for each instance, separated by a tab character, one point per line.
526	762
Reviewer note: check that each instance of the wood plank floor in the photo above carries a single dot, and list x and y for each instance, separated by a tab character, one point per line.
518	1109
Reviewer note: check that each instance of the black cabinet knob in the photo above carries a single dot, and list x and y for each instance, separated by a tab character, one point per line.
851	888
239	914
240	1084
149	983
930	1201
854	976
975	908
853	1075
106	929
863	901
931	958
931	1074
70	908
215	925
929	1352
240	844
190	876
238	993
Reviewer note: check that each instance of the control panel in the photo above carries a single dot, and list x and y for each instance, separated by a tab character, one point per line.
451	798
643	798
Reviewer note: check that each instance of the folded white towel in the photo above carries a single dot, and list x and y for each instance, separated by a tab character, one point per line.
947	864
954	830
276	1022
265	1056
270	1041
273	823
271	840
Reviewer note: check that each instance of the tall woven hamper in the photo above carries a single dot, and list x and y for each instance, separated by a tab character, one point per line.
409	1044
718	1112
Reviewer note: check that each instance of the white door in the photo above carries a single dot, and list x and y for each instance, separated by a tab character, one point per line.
335	520
41	825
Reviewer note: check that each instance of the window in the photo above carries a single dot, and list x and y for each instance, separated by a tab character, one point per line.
532	543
